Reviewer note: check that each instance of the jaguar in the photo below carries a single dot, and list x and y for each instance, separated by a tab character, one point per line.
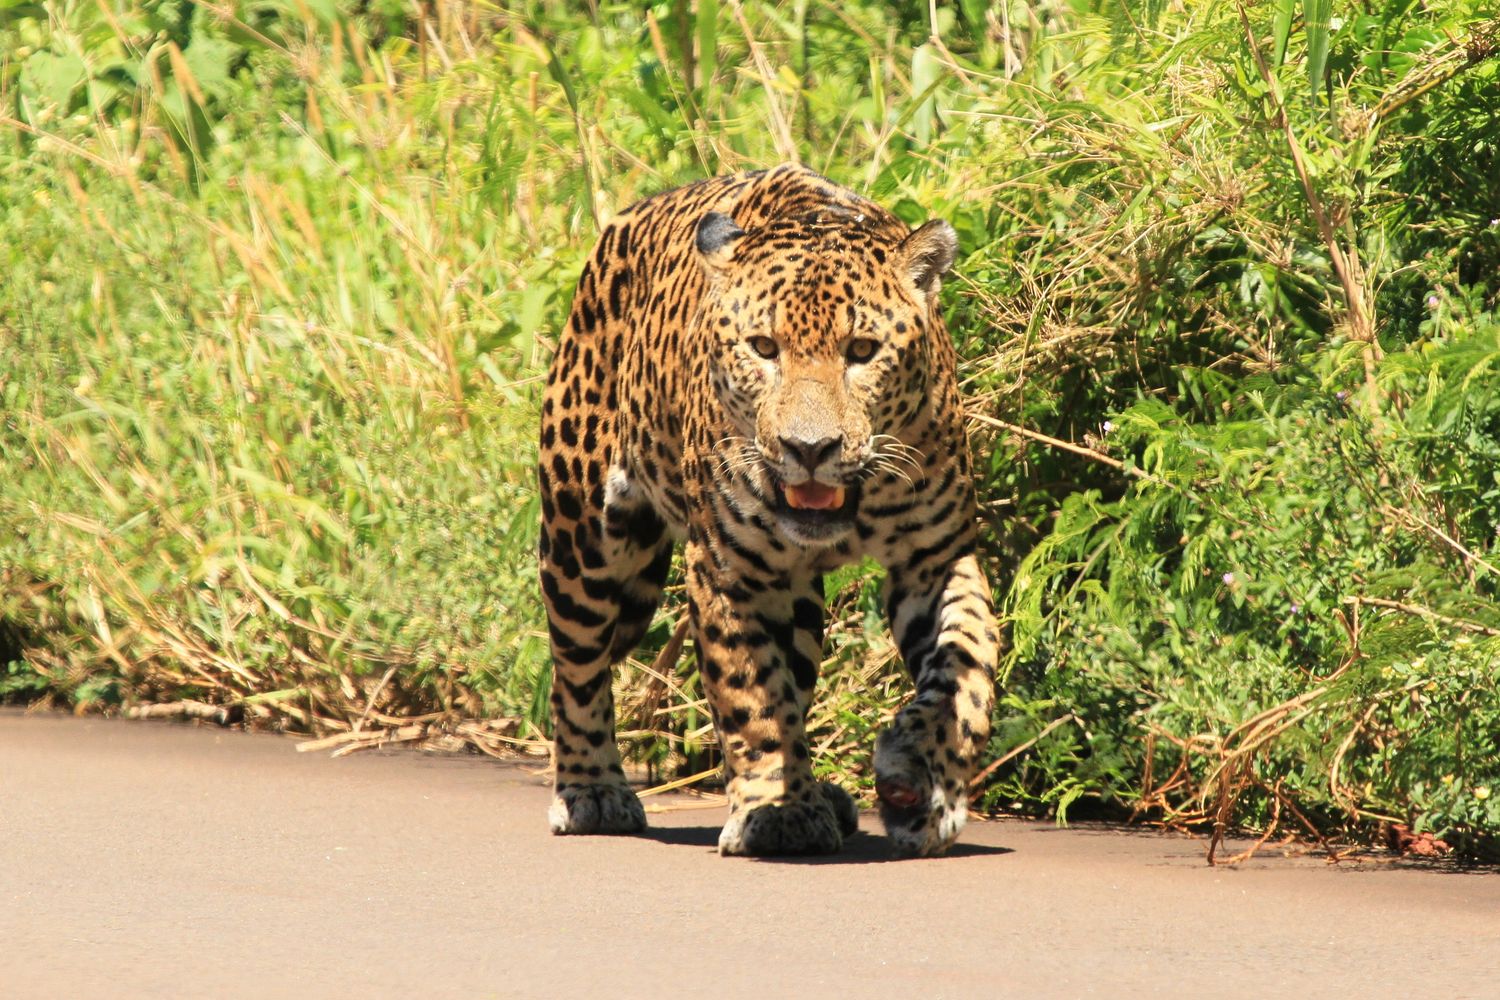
755	366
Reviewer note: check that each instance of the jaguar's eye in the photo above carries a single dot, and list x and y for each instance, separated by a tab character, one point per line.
764	346
861	349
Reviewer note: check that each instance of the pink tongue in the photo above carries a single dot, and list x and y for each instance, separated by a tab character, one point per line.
814	496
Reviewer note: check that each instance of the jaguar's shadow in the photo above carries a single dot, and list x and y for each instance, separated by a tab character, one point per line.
860	849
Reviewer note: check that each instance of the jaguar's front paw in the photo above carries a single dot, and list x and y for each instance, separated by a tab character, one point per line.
596	809
923	807
788	828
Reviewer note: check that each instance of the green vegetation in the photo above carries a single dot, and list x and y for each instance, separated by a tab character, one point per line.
282	280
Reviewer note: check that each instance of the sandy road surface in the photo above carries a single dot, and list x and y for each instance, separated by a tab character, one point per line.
156	860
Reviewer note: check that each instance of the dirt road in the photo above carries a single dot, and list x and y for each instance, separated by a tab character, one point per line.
157	860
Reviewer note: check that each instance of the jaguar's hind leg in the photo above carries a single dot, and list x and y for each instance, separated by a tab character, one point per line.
602	571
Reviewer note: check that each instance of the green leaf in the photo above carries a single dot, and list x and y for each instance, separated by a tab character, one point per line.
1317	14
54	77
209	59
708	42
925	76
10	13
1281	27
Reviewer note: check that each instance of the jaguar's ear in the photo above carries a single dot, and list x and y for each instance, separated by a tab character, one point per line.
717	238
927	253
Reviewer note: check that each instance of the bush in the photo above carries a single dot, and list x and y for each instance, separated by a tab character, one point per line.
282	283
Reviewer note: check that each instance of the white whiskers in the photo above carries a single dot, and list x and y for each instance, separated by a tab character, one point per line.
889	454
738	455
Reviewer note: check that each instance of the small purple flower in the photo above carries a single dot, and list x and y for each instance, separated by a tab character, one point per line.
1228	579
1433	301
1109	425
1341	395
1296	608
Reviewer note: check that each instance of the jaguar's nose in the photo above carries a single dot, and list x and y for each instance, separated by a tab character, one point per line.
811	453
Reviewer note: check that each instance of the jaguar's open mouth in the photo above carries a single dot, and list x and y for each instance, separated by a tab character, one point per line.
814	505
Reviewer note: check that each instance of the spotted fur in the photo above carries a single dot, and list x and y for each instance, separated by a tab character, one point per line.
742	353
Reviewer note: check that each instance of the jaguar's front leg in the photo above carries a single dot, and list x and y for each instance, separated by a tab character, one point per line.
944	623
759	639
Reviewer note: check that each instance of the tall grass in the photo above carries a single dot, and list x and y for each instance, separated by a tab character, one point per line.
283	280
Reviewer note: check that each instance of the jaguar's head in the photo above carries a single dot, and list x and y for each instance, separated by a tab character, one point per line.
823	326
